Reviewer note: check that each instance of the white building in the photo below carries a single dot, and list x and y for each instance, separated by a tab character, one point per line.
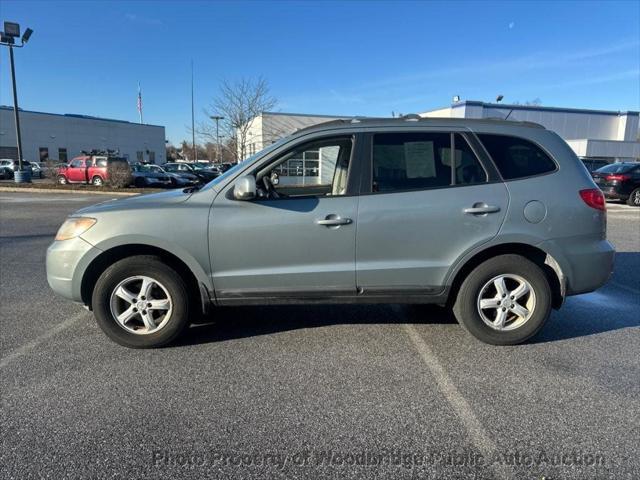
268	127
309	167
592	134
62	137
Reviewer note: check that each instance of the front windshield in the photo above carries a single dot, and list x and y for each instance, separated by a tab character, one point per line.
239	166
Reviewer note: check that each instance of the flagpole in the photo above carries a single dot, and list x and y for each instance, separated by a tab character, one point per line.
140	102
193	129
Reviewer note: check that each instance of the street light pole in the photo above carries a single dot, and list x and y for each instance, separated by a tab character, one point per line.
8	39
15	107
217	118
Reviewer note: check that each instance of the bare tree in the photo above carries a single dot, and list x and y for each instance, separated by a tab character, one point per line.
239	102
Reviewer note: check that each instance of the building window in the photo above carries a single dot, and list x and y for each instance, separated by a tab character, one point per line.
152	157
140	155
62	154
44	154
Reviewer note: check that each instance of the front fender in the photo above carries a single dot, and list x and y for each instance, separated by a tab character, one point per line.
173	248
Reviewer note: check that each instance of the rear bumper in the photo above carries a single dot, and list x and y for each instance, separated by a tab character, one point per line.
586	263
66	263
613	193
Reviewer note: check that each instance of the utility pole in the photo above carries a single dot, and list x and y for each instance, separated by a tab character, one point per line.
217	118
193	123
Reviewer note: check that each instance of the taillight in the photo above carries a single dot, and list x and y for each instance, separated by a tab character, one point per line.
594	198
619	178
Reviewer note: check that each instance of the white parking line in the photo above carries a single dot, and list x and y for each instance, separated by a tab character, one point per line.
27	347
476	432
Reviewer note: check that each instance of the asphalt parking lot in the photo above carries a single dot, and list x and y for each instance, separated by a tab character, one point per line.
306	392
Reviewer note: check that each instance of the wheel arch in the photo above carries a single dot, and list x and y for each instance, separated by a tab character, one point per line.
543	259
198	292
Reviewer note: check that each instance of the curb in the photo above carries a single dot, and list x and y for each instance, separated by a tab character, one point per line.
54	190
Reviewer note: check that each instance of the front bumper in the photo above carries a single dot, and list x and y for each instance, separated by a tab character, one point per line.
66	263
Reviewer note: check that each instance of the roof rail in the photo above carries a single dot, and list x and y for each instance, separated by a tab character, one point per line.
411	117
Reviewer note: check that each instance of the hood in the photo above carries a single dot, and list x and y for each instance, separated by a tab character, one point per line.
139	201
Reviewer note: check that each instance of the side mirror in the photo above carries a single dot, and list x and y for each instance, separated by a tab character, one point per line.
245	188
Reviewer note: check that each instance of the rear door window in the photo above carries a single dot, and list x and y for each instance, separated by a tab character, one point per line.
422	160
517	157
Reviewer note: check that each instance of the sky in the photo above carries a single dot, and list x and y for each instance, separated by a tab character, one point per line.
325	57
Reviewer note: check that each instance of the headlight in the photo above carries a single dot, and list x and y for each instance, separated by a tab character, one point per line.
74	227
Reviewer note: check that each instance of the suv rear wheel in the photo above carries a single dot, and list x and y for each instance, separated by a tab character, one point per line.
97	181
140	302
504	300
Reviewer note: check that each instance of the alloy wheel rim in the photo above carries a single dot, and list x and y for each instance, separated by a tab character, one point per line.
506	302
636	198
141	305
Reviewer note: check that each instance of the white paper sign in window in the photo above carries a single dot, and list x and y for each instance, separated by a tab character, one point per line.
419	159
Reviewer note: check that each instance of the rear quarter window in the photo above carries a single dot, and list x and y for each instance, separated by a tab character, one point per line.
517	157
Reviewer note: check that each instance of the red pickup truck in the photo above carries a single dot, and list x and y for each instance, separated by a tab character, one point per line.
87	169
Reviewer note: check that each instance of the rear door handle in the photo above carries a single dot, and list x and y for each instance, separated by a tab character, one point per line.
333	221
481	209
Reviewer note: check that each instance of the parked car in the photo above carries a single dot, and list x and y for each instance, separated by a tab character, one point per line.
594	164
5	172
182	179
36	170
91	169
183	167
502	231
149	176
9	166
620	181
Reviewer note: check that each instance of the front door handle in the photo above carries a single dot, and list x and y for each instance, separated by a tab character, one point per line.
481	209
334	221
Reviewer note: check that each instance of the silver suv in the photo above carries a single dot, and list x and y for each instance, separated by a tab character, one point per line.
498	220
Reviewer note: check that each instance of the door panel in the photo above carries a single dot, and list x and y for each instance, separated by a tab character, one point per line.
411	239
276	248
76	172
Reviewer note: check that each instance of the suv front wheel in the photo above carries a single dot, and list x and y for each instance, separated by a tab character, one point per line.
140	302
504	300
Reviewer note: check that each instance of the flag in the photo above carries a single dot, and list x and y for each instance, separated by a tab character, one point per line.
140	102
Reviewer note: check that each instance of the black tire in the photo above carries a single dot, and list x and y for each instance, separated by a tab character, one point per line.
466	309
634	198
140	183
97	181
148	266
62	180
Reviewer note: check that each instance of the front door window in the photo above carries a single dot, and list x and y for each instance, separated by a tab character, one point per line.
317	168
